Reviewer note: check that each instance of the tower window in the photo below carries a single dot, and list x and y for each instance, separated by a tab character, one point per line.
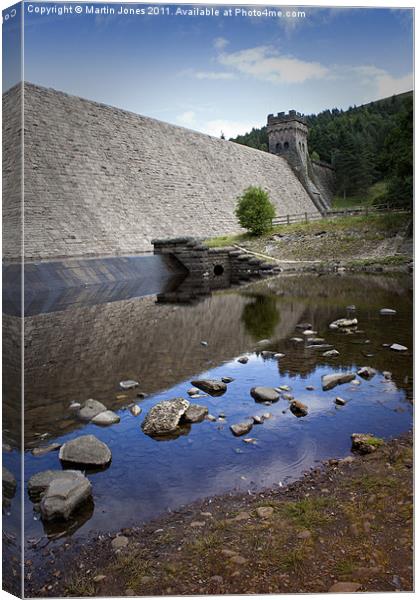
286	145
303	147
278	147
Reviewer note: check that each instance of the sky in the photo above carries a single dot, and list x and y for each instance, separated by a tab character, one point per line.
221	73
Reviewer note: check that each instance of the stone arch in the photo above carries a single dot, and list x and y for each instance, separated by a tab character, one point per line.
278	147
286	145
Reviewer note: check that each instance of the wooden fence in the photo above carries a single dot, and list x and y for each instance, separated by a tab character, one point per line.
306	217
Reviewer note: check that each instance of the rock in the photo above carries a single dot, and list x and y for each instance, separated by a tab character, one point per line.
135	410
130	592
343	323
39	482
296	339
90	409
217	579
65	495
387	374
263	342
340	401
345	586
243	360
249	440
119	542
316	341
214	387
310	388
279	355
204	343
258	420
85	450
264	394
141	395
198	524
6	447
99	578
283	388
108	417
45	449
193	391
304	535
266	416
366	372
8	483
331	353
309	332
211	418
304	326
164	418
267	354
241	428
356	382
238	560
74	406
195	413
330	381
351	308
128	384
398	348
288	397
365	443
265	512
298	408
227	379
387	311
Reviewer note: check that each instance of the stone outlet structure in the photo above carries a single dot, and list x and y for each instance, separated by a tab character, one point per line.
288	138
100	181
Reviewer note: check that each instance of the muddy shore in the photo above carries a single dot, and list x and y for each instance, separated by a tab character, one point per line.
345	525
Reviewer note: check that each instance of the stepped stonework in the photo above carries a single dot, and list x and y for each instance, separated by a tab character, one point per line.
100	181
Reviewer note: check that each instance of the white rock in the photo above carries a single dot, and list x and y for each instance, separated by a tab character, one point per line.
108	417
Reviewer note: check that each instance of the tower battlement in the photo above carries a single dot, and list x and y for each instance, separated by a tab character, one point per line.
283	117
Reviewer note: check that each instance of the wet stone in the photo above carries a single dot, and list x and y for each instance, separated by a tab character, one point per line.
90	409
365	443
366	372
164	418
195	413
108	417
243	360
264	394
64	496
214	387
298	408
241	428
128	384
42	450
398	348
330	381
85	450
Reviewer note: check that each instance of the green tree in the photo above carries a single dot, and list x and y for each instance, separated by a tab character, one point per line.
254	210
261	316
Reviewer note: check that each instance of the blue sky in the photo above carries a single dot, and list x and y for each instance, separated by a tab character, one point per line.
221	73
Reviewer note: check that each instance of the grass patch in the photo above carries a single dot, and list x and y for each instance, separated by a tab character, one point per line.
80	586
346	567
308	513
371	196
294	559
133	567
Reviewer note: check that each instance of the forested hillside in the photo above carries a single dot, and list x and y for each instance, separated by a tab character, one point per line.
365	144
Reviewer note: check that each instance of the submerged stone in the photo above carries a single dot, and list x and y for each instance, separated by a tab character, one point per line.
387	311
298	408
330	381
241	428
195	413
214	387
128	384
90	409
398	348
366	372
108	417
243	360
365	443
344	323
264	394
64	495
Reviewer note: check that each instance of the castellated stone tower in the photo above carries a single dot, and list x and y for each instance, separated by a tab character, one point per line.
288	137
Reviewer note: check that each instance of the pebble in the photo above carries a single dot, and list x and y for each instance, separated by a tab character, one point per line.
265	512
128	384
340	401
398	348
135	410
238	560
243	360
119	542
310	388
198	524
99	578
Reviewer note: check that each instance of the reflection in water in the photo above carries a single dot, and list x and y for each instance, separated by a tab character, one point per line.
85	351
261	316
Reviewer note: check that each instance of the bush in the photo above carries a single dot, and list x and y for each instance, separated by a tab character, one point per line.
255	211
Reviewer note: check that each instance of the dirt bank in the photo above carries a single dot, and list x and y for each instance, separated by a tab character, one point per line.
348	521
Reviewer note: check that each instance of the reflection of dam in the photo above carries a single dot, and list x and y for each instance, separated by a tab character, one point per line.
84	352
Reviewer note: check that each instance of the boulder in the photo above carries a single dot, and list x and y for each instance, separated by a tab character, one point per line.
214	387
340	401
90	409
108	417
366	372
39	482
8	483
343	323
265	512
193	391
64	495
298	408
331	353
387	311
85	450
398	348
330	381
164	418
243	360
264	394
241	428
119	542
365	443
258	419
195	413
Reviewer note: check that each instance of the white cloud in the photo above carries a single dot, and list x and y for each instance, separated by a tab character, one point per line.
213	75
229	128
264	63
220	43
187	118
381	84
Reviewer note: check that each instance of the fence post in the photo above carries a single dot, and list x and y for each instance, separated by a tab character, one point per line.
367	210
306	217
288	220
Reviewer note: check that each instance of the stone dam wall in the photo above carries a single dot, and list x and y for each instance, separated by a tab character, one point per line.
100	181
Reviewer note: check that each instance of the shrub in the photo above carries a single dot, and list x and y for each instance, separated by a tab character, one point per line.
255	211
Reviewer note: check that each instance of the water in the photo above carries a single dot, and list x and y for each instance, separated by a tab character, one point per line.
84	352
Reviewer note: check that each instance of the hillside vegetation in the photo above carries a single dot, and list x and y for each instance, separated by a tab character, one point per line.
366	144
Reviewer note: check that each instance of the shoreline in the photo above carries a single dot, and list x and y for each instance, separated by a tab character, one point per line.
347	521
